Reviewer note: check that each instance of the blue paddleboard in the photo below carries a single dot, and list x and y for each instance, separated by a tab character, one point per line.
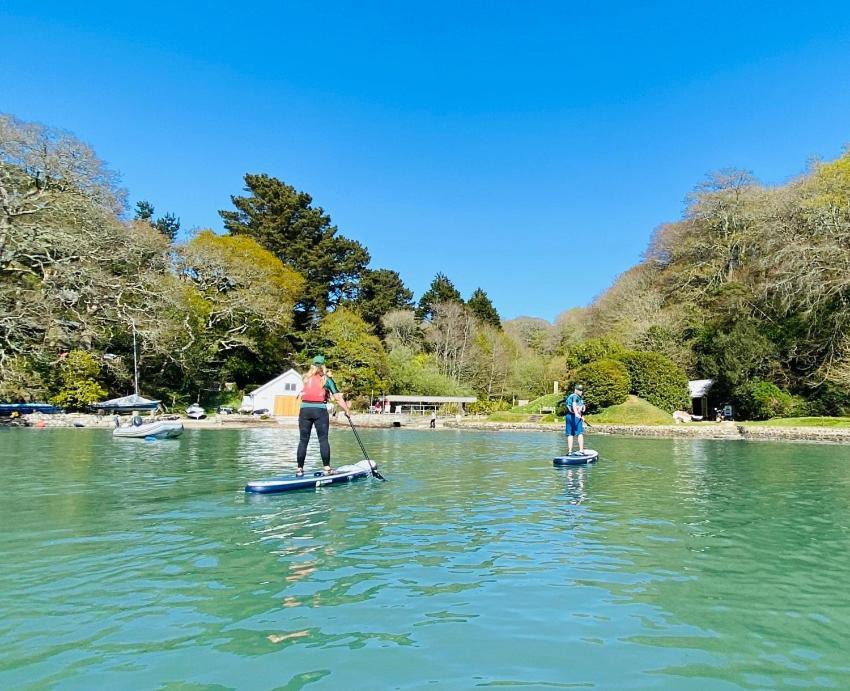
286	483
576	458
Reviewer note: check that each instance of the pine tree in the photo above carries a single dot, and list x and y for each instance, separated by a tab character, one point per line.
285	222
381	291
441	290
168	225
144	211
483	308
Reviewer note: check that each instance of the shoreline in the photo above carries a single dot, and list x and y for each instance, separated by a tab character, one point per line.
721	430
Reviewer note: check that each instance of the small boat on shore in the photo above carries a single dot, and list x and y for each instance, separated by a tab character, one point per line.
158	429
195	412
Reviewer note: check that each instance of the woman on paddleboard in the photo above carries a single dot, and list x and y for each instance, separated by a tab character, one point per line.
318	387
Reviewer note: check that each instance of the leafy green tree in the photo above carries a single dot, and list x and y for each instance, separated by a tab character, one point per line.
527	377
591	350
606	383
77	381
379	292
656	379
217	313
285	222
355	355
417	373
441	290
735	352
483	308
762	400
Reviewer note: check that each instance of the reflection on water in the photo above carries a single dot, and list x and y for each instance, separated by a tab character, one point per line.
674	564
575	479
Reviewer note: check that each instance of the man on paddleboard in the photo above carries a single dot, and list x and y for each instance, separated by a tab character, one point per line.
573	420
318	387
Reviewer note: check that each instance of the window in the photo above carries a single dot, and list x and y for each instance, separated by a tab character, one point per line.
289	387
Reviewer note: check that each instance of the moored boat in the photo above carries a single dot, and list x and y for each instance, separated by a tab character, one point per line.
158	429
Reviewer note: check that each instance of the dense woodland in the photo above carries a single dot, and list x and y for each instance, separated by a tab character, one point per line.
750	288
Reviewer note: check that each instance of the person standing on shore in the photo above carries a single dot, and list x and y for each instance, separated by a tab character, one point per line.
319	386
574	418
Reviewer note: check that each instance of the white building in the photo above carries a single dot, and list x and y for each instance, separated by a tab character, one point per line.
279	396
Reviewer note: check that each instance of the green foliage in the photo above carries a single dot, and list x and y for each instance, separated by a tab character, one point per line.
168	225
77	381
483	308
591	350
486	407
417	373
761	400
828	399
734	353
657	379
379	292
842	422
284	221
22	381
550	400
527	377
507	416
606	382
354	354
441	290
144	211
634	411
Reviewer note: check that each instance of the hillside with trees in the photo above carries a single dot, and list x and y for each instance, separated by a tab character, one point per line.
750	288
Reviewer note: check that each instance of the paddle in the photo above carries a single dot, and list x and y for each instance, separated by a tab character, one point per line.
374	470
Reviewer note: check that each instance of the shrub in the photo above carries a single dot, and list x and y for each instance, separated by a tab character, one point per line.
77	383
656	379
485	407
761	400
591	350
606	382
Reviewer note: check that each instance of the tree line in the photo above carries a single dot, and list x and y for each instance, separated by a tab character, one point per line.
750	288
81	279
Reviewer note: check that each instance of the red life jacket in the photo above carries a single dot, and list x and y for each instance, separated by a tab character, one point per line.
314	390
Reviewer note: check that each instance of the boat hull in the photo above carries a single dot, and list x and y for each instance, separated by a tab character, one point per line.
165	429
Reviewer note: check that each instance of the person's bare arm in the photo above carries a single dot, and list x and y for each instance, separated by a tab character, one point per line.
338	397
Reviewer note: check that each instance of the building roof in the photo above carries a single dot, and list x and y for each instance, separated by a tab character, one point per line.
127	403
699	387
274	381
413	398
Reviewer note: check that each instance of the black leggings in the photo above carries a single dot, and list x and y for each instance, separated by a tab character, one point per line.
307	417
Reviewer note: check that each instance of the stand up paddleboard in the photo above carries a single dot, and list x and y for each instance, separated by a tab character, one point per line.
576	458
285	483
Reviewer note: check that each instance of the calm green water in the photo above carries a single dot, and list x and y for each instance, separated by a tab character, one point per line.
669	564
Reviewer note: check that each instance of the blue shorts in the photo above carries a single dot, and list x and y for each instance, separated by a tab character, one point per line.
575	426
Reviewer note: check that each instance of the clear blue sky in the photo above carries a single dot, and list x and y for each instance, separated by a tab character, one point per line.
527	148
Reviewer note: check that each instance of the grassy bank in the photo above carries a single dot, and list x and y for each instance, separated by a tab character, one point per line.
831	422
635	411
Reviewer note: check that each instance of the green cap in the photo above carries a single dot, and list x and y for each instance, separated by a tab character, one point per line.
319	360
